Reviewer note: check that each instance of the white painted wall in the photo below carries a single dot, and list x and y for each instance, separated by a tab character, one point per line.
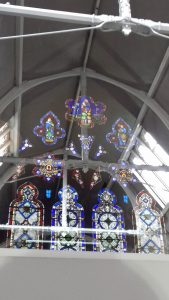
45	275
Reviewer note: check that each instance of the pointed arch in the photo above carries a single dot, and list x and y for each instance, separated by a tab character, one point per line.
148	224
72	240
108	216
27	210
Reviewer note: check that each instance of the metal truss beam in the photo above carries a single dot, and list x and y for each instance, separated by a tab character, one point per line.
141	95
114	23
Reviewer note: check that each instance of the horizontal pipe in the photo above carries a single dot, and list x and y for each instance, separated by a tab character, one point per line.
66	229
49	15
114	22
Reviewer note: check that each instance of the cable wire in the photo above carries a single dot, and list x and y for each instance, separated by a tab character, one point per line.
160	34
52	32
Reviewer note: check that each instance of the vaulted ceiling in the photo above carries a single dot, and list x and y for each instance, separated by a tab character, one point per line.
133	61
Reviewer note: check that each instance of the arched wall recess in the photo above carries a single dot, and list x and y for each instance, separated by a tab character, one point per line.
141	95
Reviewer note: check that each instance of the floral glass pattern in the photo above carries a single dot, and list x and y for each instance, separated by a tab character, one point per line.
25	145
86	111
48	168
100	151
86	142
49	130
96	178
26	210
149	225
108	216
76	175
72	148
72	240
120	134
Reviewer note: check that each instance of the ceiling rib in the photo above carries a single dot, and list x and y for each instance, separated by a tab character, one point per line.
141	95
154	86
18	80
15	122
137	127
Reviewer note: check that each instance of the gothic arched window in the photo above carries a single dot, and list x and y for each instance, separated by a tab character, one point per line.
25	210
71	240
148	223
108	216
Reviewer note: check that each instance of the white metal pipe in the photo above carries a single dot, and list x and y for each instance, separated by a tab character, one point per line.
125	13
50	15
113	22
66	229
124	8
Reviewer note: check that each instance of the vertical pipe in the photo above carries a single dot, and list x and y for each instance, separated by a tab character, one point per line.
64	198
125	13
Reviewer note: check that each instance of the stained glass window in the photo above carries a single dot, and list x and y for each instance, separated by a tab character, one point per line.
86	142
121	131
77	176
96	178
48	193
49	168
26	210
149	226
49	130
72	148
108	216
72	240
86	111
25	144
100	151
